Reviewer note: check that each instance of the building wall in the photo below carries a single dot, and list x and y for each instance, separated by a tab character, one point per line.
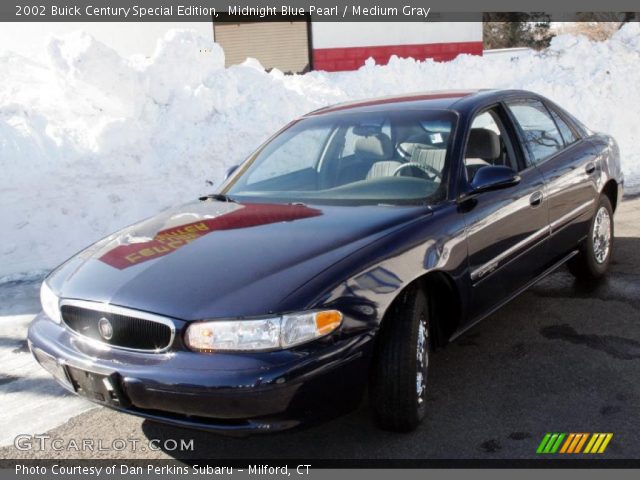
346	45
281	45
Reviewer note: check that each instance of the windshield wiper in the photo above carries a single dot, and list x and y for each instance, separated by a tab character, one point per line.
221	197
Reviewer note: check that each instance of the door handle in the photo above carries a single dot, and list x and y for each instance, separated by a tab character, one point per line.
536	198
590	168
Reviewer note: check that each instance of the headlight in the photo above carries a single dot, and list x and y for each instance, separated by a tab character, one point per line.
264	334
49	302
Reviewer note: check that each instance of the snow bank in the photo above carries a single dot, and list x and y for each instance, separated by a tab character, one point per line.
92	141
31	402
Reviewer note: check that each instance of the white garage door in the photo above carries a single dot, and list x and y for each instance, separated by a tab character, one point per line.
281	45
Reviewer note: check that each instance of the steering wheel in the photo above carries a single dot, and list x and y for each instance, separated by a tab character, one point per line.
430	172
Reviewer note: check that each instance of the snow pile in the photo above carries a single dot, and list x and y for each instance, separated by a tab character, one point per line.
31	401
92	141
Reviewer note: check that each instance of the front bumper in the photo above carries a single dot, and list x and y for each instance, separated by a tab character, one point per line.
224	392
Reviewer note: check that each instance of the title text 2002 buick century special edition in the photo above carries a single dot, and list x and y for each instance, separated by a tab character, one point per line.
332	262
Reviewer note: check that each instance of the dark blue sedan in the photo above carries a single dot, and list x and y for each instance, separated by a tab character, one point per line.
332	262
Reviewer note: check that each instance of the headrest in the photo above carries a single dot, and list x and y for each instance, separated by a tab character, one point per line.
483	144
374	147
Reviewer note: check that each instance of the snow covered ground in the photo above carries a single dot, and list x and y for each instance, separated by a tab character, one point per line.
31	402
91	141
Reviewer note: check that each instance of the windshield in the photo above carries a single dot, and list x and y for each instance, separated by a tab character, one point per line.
372	157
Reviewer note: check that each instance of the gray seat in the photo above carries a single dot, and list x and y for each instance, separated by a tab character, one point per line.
410	144
418	149
367	151
483	144
483	148
374	147
430	157
384	168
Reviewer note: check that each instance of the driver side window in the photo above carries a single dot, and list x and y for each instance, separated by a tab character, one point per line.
488	144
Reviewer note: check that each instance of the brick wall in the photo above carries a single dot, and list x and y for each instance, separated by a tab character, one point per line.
352	58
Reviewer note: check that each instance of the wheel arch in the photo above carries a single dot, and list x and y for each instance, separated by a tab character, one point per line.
444	305
610	189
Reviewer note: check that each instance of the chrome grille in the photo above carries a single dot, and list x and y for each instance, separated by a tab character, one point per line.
128	329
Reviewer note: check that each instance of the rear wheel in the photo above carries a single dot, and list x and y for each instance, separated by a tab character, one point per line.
594	258
399	374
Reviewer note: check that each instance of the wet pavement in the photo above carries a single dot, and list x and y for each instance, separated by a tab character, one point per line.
563	357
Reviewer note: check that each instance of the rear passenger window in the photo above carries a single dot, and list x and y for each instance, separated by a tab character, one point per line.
540	131
567	134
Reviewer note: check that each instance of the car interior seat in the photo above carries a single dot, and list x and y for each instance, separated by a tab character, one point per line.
483	148
418	149
368	149
375	152
433	158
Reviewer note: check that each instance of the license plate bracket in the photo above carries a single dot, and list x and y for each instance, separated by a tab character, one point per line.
99	387
51	365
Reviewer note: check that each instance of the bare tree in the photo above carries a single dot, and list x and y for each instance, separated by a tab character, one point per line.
506	30
599	26
597	31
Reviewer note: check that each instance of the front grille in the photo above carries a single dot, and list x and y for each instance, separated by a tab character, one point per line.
127	329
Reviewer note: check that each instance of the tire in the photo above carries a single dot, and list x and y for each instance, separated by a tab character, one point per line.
592	262
399	373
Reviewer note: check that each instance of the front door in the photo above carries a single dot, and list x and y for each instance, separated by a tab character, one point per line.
507	229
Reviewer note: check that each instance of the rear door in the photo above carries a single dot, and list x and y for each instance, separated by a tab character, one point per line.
507	229
568	165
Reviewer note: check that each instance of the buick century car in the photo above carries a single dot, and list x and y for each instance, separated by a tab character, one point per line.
332	262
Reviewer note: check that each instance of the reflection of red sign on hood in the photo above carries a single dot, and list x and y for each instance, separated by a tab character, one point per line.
171	239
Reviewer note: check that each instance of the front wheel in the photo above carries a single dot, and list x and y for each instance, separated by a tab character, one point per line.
592	262
399	374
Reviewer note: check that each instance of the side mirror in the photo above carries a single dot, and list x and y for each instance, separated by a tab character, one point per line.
230	171
494	177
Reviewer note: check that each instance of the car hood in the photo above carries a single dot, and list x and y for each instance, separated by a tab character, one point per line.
215	259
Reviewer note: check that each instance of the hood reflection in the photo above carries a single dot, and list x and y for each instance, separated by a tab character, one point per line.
135	248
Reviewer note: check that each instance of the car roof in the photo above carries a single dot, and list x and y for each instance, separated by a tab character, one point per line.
457	100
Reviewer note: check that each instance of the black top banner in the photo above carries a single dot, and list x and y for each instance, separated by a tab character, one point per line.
317	11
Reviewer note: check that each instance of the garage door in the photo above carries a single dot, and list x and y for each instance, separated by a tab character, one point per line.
281	45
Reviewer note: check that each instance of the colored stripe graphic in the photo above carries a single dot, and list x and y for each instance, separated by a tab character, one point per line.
550	443
576	438
581	443
543	443
556	445
594	437
572	443
598	443
567	442
605	442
